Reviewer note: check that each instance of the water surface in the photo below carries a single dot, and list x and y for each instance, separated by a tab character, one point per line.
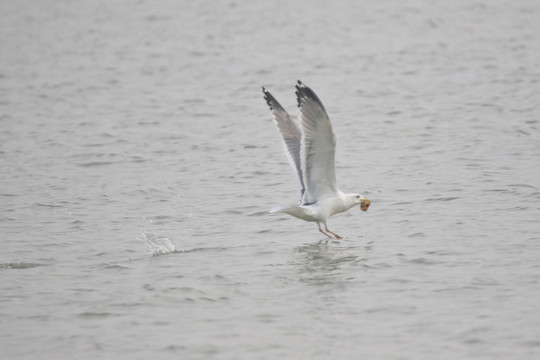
139	162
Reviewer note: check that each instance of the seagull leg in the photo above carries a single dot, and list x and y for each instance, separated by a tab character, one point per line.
331	232
321	230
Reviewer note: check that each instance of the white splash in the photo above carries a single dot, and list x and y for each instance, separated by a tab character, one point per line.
157	244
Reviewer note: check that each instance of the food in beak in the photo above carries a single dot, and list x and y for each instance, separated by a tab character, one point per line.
364	205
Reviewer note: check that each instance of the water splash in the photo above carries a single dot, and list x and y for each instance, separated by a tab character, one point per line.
157	244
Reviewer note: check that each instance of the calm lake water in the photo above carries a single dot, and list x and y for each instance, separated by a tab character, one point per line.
139	161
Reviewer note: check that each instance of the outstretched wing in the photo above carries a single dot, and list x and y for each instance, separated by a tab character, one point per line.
290	133
318	147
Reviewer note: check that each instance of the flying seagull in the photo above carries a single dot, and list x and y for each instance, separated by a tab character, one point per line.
311	152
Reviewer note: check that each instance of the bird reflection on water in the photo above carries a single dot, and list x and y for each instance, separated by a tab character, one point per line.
322	263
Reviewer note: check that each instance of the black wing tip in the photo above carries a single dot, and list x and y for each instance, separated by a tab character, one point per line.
302	92
305	92
270	99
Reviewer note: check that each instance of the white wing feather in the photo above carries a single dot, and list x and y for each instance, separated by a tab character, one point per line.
318	147
290	134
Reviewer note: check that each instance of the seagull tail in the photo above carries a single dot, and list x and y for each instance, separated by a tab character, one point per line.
276	209
294	210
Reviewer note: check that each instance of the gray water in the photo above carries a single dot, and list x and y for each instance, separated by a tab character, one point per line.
139	162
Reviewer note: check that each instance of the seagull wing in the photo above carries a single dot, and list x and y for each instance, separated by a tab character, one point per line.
318	147
290	133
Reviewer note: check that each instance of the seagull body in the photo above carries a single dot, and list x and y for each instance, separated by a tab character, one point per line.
311	153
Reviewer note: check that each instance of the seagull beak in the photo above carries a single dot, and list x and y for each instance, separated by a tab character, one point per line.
364	205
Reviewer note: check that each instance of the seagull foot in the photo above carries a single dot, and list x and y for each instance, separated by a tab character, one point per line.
333	233
325	234
327	231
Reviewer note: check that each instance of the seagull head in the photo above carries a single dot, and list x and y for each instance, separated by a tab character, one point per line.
364	203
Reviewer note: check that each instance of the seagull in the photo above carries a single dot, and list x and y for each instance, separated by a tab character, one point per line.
311	152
